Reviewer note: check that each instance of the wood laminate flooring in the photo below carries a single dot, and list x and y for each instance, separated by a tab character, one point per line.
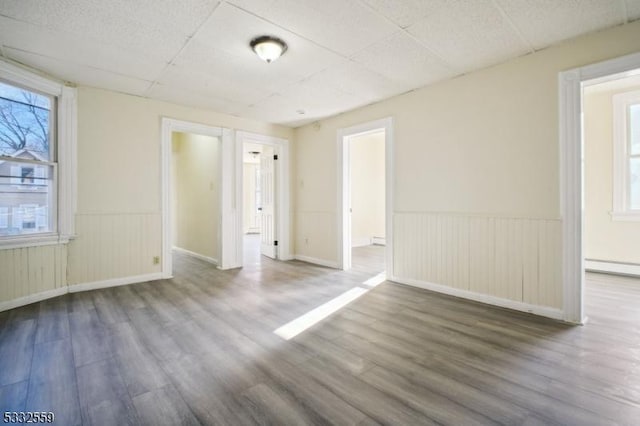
200	349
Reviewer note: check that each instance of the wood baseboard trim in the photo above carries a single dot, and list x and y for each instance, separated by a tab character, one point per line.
317	261
543	311
33	298
617	268
196	255
115	282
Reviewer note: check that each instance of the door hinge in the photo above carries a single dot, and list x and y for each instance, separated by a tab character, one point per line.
275	243
275	157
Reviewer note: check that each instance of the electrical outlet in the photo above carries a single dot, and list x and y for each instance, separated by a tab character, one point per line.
156	260
306	241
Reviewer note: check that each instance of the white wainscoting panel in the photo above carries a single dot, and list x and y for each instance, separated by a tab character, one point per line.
516	259
112	246
32	270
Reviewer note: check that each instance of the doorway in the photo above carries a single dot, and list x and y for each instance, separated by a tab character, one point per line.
263	197
572	84
365	196
195	195
611	132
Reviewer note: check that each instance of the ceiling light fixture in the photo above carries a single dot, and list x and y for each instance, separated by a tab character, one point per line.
268	48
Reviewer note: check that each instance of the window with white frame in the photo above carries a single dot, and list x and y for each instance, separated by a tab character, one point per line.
626	139
37	142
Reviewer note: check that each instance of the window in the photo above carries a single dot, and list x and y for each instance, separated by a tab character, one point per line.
626	139
4	218
37	143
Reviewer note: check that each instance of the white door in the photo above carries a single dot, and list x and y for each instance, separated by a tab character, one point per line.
267	226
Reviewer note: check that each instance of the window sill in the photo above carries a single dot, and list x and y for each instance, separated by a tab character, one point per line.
625	216
24	241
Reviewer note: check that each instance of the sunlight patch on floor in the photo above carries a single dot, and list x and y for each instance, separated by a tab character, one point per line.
303	322
376	280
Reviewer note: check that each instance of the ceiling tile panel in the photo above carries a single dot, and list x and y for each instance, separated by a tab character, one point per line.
274	109
469	34
342	26
196	98
77	49
404	61
314	101
211	85
159	28
356	79
244	70
311	97
80	74
544	22
342	54
405	12
222	47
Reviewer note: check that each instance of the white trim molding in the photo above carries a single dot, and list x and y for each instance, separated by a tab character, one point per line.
484	298
344	188
619	268
168	127
317	261
283	188
115	282
33	298
570	84
65	163
196	255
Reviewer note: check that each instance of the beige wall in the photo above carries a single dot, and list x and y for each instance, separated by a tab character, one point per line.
119	182
367	188
118	220
483	145
196	201
605	239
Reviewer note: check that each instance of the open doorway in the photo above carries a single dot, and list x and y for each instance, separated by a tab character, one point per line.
195	195
367	200
258	215
586	228
264	198
611	112
611	132
365	231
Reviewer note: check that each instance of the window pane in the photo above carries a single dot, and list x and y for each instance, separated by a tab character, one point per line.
634	184
26	191
634	128
25	119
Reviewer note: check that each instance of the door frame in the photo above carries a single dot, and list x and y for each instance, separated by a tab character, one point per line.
344	190
282	191
570	85
168	127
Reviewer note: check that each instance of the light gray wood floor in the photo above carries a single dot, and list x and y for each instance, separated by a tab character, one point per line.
200	349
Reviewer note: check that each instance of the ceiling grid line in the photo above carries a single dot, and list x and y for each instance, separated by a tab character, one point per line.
76	63
285	29
513	26
342	54
182	48
407	33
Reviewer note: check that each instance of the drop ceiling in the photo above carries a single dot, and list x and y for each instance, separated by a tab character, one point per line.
342	54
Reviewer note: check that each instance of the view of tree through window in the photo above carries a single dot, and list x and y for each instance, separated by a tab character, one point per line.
24	121
26	161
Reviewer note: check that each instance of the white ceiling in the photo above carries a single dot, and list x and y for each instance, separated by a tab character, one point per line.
342	53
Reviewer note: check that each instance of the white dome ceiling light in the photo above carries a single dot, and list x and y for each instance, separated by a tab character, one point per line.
268	48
